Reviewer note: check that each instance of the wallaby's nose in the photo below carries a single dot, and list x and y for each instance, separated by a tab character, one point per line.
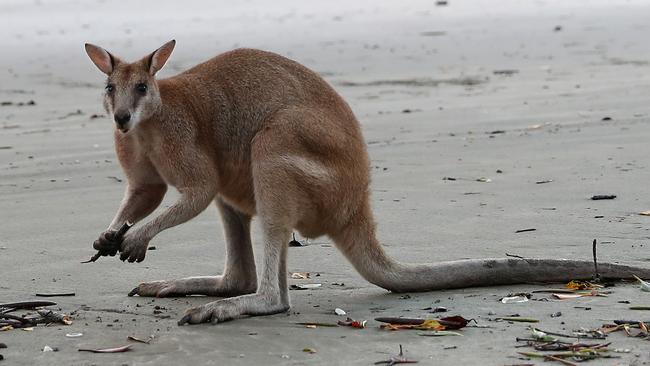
122	118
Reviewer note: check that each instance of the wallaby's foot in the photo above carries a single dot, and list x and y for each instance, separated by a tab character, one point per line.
211	286
228	309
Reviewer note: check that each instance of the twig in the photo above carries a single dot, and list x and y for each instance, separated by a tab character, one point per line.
596	274
394	360
117	238
56	294
560	360
524	230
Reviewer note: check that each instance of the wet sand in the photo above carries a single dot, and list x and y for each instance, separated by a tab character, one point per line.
537	92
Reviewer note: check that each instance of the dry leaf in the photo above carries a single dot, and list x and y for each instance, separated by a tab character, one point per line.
579	285
453	322
429	324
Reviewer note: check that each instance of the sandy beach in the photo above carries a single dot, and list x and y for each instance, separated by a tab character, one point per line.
497	96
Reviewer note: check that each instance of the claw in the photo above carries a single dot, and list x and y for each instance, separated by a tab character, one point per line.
184	320
135	291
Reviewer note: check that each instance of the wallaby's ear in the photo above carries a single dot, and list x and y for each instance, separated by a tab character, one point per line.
101	58
158	58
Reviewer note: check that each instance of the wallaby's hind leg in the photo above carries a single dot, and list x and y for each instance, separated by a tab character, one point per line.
276	209
239	276
269	298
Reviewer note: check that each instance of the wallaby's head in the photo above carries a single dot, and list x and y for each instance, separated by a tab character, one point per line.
132	93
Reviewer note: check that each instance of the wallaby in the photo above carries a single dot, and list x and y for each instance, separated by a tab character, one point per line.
259	134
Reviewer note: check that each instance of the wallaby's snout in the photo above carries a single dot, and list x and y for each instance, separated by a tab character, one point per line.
132	94
122	119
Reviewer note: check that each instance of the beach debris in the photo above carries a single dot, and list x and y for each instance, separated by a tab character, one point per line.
541	336
556	314
544	181
428	324
644	213
645	286
2	345
582	285
505	72
306	286
296	243
447	323
515	298
339	311
349	322
25	305
317	324
583	354
106	350
428	34
437	309
524	230
50	316
55	294
397	359
309	350
136	339
518	319
440	333
50	349
442	2
117	238
603	197
639	307
535	127
74	335
300	275
484	180
577	295
557	28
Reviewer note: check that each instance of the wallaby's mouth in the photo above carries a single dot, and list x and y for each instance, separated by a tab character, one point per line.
123	129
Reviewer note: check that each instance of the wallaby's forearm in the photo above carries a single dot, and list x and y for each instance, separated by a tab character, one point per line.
191	203
138	203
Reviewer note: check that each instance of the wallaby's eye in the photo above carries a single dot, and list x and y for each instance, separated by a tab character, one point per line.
109	88
141	87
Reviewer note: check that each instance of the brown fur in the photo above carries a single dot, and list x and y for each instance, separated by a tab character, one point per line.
262	135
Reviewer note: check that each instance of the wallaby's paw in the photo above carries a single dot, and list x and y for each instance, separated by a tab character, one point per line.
106	243
228	309
158	289
213	312
133	248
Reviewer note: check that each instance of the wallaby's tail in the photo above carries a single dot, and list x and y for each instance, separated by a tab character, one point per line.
357	241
